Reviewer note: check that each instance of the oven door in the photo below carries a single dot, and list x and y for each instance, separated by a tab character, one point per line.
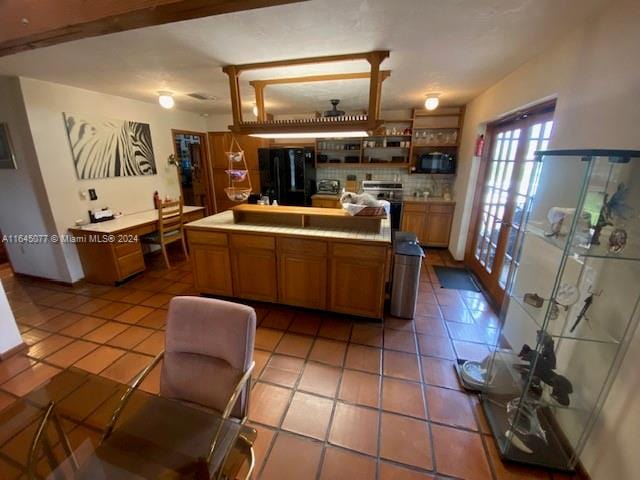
395	212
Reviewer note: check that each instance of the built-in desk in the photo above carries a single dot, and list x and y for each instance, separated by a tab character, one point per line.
111	251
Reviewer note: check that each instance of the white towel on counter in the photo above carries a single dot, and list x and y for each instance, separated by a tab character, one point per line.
354	209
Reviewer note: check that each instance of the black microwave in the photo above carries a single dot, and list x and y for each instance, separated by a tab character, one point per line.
436	162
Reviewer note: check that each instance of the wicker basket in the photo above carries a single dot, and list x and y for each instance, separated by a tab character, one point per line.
371	212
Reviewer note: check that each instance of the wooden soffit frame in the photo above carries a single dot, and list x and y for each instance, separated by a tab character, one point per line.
259	85
29	24
367	122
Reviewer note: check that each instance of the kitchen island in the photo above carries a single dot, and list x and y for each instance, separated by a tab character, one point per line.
342	267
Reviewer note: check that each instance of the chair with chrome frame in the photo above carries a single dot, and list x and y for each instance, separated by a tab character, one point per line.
207	363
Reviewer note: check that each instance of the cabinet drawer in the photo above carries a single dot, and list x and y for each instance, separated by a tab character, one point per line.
253	241
302	247
358	251
414	207
441	208
130	264
126	248
207	238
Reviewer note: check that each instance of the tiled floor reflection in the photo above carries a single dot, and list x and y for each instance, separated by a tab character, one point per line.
335	398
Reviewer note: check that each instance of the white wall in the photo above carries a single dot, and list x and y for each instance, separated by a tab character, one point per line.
44	103
24	208
9	333
592	74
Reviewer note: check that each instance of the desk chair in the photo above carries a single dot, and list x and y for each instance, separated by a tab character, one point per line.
170	229
207	363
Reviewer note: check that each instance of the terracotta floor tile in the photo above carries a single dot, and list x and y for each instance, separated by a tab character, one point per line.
280	465
439	372
126	367
339	464
320	379
136	296
396	323
471	351
99	359
456	313
363	358
5	401
152	345
450	407
435	347
177	288
47	346
486	318
14	365
401	365
267	338
28	379
355	428
106	332
405	440
71	353
131	337
157	300
367	335
91	306
112	310
305	323
261	445
83	326
399	340
459	453
268	404
151	384
308	415
328	351
283	370
60	322
156	319
431	326
117	294
133	314
260	357
403	397
475	301
360	388
335	329
278	319
480	417
389	471
34	335
295	345
472	333
510	470
428	310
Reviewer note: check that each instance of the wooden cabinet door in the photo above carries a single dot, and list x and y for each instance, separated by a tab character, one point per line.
250	145
414	222
302	280
212	269
254	274
437	228
219	143
357	286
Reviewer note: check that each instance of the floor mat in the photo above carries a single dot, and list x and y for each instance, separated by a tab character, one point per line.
456	278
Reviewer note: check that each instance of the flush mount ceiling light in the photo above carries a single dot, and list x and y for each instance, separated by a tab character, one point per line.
353	134
165	99
432	101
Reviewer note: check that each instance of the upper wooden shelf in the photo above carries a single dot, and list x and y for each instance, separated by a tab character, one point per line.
326	218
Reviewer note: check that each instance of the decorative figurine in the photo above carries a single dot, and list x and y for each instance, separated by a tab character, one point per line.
617	240
533	299
556	217
616	206
527	415
587	303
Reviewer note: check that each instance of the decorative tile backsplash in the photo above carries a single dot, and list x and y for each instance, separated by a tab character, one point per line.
417	182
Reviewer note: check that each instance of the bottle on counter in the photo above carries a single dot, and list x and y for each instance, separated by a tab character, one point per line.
156	200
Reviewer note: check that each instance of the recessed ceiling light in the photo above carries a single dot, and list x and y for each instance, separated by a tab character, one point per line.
432	101
165	99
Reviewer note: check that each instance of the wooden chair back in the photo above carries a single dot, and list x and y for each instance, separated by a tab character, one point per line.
170	217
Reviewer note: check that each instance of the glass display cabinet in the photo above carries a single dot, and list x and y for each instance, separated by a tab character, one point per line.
571	307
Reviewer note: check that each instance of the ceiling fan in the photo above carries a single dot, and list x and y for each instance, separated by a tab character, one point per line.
334	112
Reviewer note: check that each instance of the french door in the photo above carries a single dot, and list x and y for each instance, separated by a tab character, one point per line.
509	179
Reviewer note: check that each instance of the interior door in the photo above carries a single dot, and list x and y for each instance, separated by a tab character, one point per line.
510	181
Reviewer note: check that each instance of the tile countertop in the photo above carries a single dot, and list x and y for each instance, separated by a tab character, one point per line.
411	198
224	221
129	221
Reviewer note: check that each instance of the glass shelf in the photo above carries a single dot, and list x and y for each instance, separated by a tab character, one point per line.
586	330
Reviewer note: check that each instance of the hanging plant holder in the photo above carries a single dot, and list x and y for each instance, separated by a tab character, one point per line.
239	187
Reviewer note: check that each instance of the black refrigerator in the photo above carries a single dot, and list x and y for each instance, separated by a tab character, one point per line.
287	175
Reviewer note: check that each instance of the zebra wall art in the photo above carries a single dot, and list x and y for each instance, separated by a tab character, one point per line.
104	148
